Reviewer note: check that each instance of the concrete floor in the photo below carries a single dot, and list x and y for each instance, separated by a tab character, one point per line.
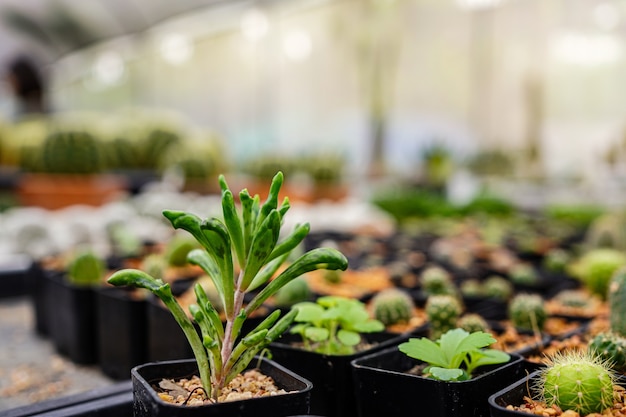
30	369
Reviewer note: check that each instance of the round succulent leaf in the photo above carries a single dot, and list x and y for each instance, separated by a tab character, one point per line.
316	334
348	338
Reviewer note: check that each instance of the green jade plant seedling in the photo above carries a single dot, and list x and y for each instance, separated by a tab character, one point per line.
253	239
333	325
455	355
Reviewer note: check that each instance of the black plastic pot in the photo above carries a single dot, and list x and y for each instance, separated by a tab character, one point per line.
166	340
146	402
122	331
383	387
512	394
16	275
113	401
333	387
72	319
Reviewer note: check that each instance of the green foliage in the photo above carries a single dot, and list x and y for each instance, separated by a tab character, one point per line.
333	325
580	216
154	265
86	268
595	268
246	237
611	348
528	312
392	306
617	302
578	381
455	355
442	311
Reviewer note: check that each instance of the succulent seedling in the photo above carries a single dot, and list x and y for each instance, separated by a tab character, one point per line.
251	239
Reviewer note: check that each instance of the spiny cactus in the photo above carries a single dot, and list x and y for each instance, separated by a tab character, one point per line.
443	312
576	380
498	287
617	302
596	267
71	152
556	260
86	268
611	348
472	288
527	311
294	292
573	298
392	306
436	281
473	323
155	265
523	274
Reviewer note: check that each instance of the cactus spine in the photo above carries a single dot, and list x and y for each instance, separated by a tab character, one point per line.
617	302
392	306
437	281
611	348
498	287
71	152
443	312
527	312
578	381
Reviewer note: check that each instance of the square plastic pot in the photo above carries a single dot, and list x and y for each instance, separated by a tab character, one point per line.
383	387
146	402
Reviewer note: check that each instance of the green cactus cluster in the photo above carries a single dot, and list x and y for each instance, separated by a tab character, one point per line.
611	348
617	302
473	322
71	152
578	381
442	311
86	268
392	306
527	312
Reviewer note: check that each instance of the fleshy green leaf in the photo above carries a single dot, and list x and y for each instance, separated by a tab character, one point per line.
316	334
444	374
348	337
424	350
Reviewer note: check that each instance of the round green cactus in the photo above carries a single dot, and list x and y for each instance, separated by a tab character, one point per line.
155	265
392	306
473	323
596	267
178	248
86	268
71	152
611	348
578	381
498	287
528	312
573	298
294	292
436	281
617	302
523	274
556	260
443	312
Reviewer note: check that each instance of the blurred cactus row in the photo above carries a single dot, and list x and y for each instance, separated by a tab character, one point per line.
94	143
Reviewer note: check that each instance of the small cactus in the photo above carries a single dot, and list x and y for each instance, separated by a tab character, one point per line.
392	306
556	260
576	380
573	298
443	312
617	302
155	265
523	274
178	248
437	281
294	292
86	268
527	312
498	287
473	323
71	152
611	348
596	267
472	288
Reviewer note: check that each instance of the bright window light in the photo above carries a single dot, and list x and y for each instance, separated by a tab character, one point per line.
586	50
176	48
606	16
297	45
478	4
108	68
254	25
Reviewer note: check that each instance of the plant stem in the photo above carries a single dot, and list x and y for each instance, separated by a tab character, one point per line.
229	337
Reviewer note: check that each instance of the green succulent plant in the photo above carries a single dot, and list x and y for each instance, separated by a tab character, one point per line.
443	312
576	380
248	237
528	312
392	306
611	348
86	268
595	268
